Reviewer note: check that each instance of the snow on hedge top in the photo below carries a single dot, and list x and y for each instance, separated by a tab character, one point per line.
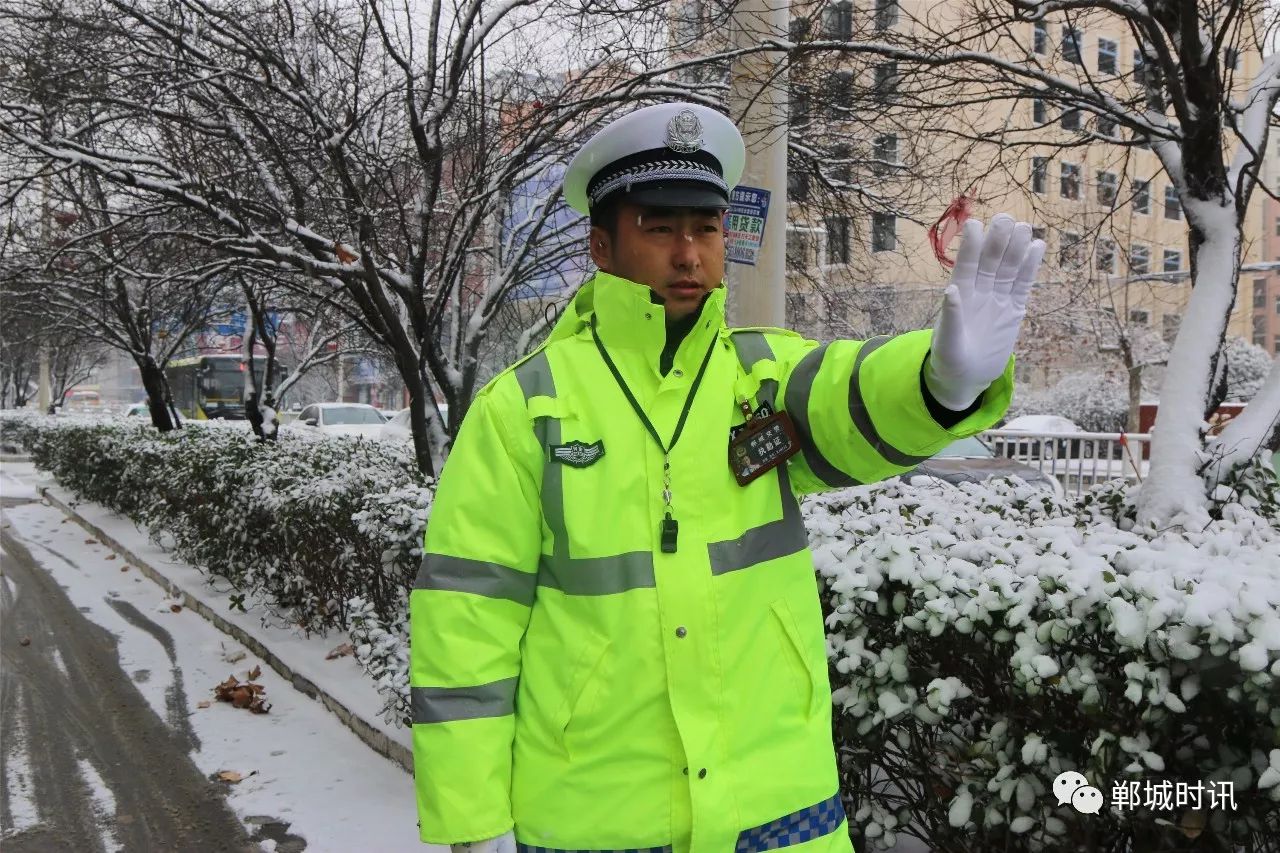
1003	548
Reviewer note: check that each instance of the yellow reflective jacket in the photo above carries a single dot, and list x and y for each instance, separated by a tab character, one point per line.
571	679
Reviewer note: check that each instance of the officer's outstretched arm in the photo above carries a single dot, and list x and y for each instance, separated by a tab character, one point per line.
468	613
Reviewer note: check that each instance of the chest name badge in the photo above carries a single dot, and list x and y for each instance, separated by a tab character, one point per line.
577	454
761	444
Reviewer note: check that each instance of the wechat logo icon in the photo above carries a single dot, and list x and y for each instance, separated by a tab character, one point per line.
1071	787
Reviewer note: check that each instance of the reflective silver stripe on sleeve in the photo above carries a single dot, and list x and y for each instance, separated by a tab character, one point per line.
769	541
492	580
799	389
447	704
536	380
862	418
598	575
753	347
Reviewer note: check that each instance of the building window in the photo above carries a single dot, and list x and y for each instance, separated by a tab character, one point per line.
797	184
1259	330
1139	68
839	94
837	239
1107	52
800	104
885	153
1276	348
1172	260
1106	256
1278	303
1231	58
1141	196
1071	41
1172	206
1108	128
884	228
837	21
1139	259
1139	316
799	250
798	30
1108	186
842	163
688	20
1259	293
886	14
885	87
1038	232
1039	112
1070	119
1040	38
1039	174
1070	183
1070	250
1171	323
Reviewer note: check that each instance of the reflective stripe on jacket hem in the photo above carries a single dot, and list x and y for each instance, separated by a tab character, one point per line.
808	823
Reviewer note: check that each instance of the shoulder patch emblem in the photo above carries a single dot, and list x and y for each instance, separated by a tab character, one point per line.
577	454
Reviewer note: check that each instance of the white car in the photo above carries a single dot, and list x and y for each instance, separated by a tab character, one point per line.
350	419
398	428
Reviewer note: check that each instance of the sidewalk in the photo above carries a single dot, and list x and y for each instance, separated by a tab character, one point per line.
339	685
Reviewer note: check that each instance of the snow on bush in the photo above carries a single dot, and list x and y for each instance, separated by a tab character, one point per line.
981	638
987	637
1247	368
1095	404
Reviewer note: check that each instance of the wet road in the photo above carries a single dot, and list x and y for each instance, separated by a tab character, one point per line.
79	740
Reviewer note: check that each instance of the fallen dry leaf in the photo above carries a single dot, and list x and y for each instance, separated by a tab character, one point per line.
175	607
124	568
229	776
342	651
256	672
25	641
109	557
205	703
91	541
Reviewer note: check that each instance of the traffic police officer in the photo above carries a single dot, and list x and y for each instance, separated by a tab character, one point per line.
616	640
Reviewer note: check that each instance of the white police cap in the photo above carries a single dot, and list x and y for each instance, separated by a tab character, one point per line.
673	155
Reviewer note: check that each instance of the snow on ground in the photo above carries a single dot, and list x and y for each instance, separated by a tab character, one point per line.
104	805
19	780
300	764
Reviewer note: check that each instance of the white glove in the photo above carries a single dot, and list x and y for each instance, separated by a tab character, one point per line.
505	843
982	310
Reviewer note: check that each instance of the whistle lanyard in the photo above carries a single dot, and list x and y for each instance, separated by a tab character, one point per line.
670	528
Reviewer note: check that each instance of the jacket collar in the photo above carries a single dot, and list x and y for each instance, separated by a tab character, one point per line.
627	318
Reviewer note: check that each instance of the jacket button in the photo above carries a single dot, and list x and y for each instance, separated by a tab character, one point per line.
678	373
686	771
702	774
680	632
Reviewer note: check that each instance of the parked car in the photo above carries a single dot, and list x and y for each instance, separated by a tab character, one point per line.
1039	424
138	410
970	460
398	429
350	419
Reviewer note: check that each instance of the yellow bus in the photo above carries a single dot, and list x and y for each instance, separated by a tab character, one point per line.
211	386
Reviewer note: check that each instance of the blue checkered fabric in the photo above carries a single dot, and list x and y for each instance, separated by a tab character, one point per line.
530	848
805	825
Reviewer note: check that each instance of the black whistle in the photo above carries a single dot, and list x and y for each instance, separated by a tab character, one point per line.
669	530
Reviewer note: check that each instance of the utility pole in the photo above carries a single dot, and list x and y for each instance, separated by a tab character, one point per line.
759	103
45	394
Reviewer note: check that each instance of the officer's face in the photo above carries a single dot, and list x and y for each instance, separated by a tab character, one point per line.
677	251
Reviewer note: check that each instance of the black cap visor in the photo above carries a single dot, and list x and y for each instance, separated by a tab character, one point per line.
670	194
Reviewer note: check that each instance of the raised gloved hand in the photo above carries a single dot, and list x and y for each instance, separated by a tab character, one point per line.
505	843
982	310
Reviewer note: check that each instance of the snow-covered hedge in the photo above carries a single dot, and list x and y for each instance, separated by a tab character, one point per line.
1095	404
986	638
982	639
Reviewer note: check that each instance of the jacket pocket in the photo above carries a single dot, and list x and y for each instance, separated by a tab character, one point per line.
796	652
585	672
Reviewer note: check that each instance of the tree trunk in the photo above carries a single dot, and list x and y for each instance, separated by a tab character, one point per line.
417	388
1256	428
1174	492
157	397
1134	421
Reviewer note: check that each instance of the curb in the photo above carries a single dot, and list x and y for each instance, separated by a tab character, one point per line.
374	738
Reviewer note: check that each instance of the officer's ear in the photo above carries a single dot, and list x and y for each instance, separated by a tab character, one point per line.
601	248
